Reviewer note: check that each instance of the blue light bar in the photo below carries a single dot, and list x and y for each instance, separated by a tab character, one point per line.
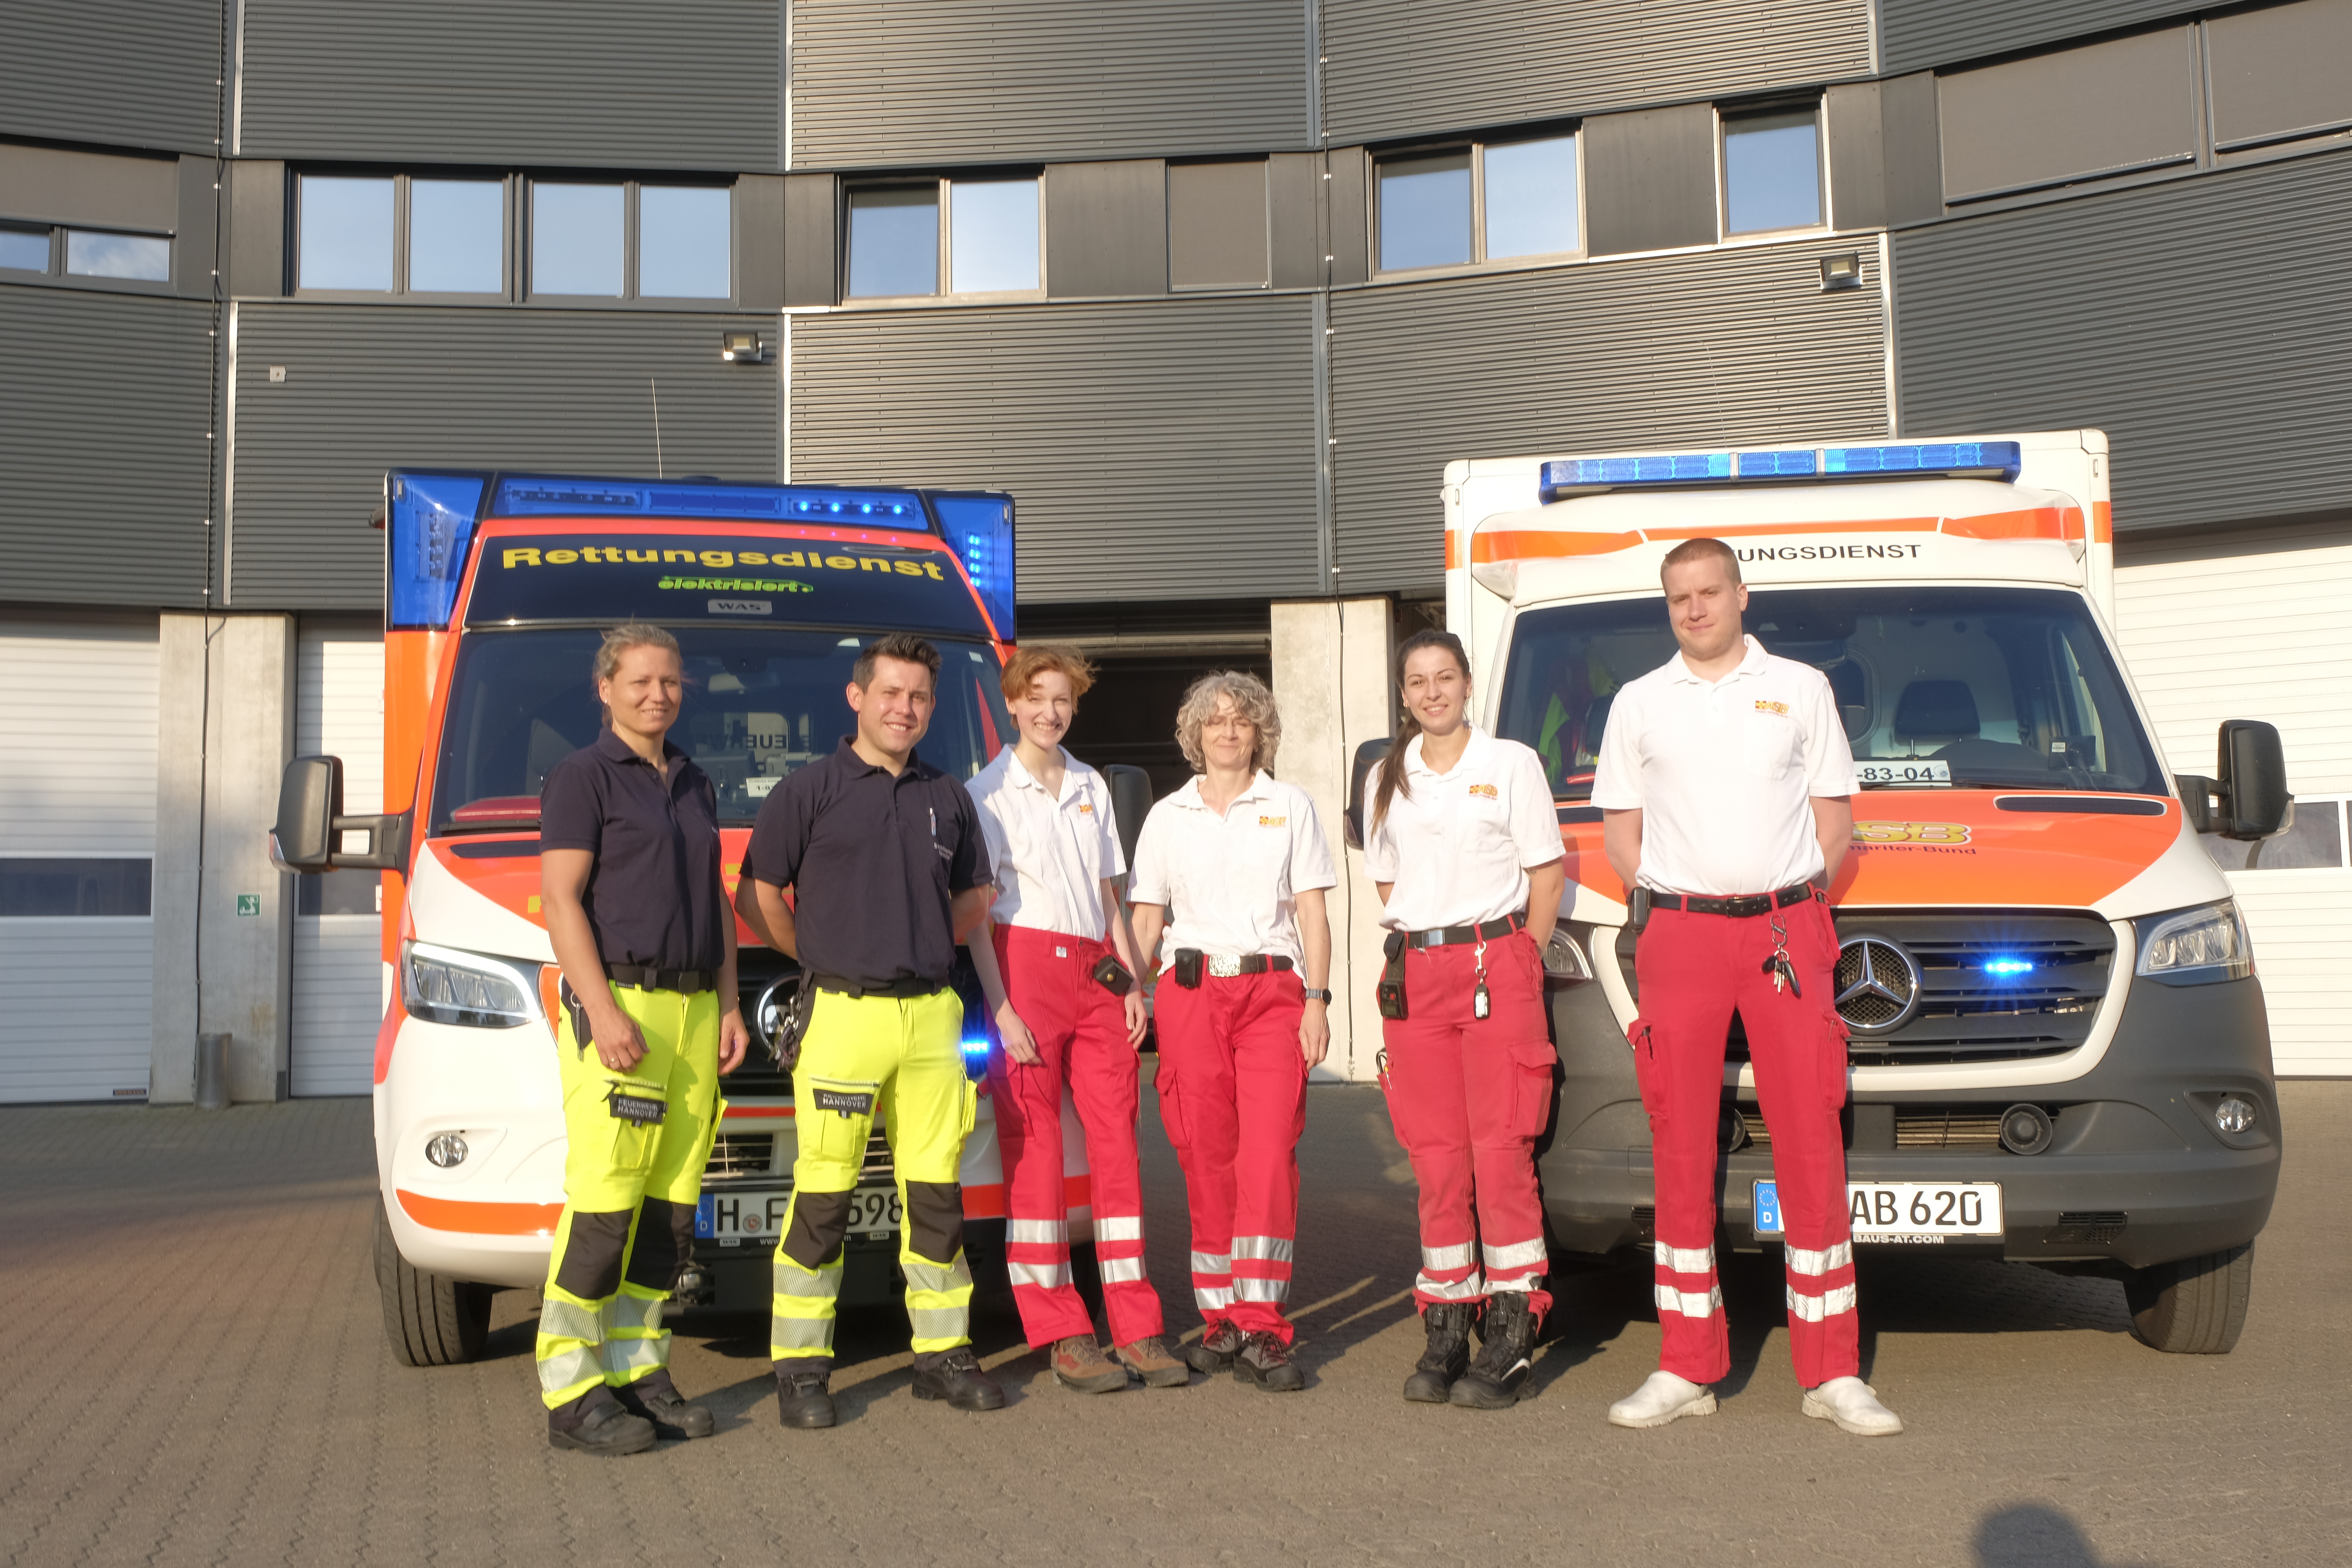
538	496
975	1047
2009	966
429	526
979	529
1777	465
1573	473
1927	457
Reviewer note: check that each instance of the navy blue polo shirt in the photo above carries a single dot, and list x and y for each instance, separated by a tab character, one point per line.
875	860
653	896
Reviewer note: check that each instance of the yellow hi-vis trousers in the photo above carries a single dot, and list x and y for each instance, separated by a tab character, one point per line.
629	1194
900	1060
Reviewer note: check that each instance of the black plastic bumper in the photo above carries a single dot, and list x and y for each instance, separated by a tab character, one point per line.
2134	1137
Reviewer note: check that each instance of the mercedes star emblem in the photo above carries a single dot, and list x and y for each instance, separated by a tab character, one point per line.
1877	984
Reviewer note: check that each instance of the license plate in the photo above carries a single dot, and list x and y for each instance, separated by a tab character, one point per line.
1917	1213
1917	771
737	1216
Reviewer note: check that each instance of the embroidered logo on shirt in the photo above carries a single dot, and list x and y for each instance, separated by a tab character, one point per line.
1273	822
1764	705
1488	791
1085	809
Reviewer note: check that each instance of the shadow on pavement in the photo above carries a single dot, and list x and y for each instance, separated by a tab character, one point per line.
2034	1535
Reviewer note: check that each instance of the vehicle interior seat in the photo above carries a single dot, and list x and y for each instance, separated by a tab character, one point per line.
1943	714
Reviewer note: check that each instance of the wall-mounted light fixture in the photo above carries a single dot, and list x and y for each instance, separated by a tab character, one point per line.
742	348
1841	271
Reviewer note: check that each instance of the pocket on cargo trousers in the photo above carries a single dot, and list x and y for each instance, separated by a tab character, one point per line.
1642	1036
1833	1060
1532	1092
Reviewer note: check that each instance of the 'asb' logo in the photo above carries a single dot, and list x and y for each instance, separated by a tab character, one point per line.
1910	833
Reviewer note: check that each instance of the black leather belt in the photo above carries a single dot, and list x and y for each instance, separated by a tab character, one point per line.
645	977
1225	967
897	990
1453	935
1739	907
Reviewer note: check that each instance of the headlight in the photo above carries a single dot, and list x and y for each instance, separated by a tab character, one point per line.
444	985
2196	947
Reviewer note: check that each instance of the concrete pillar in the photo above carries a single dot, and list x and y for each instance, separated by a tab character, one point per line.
1331	678
223	915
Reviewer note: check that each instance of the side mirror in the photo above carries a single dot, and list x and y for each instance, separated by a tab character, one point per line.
310	824
1130	802
2252	768
1360	772
2197	793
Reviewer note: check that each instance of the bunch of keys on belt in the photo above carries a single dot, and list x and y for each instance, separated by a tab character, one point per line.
1481	1003
1776	964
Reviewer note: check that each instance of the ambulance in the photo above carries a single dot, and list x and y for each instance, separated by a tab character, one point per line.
2059	1053
498	587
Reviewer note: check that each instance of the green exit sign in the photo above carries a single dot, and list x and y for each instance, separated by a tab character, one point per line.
248	903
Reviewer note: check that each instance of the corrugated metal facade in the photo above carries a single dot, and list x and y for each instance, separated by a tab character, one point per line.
338	991
1156	451
2202	323
1913	34
883	82
368	387
102	421
1726	347
690	84
149	85
1415	67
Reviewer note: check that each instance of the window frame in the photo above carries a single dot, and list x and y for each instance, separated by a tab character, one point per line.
515	237
1725	114
54	273
943	257
1477	147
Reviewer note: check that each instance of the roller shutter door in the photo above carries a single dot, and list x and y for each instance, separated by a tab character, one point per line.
2222	628
76	860
339	987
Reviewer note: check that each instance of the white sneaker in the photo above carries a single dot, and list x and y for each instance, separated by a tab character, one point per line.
1854	1406
1662	1398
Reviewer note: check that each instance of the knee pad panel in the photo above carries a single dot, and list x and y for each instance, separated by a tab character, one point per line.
935	1220
820	1221
590	1268
665	1240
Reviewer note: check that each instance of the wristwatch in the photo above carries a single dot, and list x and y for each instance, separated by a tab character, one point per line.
1318	994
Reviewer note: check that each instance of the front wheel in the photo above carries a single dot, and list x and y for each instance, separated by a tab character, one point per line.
2194	1307
431	1320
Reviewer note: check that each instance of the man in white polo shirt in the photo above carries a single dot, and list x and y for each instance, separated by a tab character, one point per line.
1725	789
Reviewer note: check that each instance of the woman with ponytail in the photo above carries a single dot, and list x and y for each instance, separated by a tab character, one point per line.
1465	851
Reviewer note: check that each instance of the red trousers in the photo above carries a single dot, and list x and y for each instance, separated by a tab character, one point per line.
1232	1091
1693	970
1081	1034
1469	1097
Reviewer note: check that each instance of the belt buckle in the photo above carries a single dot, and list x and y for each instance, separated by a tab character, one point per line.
1224	966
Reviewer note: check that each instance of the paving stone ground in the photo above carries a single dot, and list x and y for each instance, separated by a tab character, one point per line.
200	1376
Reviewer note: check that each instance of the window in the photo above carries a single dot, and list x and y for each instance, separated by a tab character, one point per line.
423	235
75	889
1489	202
576	238
1772	171
974	237
87	253
24	249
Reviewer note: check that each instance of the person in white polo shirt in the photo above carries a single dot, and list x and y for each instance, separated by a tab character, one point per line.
1465	849
1725	784
1239	861
1059	975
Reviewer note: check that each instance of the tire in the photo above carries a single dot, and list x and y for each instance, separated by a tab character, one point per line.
429	1320
2194	1307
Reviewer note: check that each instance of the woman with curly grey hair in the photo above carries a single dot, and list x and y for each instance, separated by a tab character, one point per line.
1234	868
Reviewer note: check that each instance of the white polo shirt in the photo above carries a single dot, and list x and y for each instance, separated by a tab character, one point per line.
1457	846
1723	772
1050	852
1231	882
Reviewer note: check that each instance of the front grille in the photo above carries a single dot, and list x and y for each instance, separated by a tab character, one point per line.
1954	1127
876	1165
742	1154
1964	1014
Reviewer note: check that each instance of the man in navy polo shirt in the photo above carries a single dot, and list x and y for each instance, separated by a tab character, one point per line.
888	869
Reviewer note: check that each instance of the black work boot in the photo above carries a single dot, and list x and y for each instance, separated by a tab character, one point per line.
803	1399
656	1398
1448	1355
1265	1361
1216	1349
595	1424
1506	1339
955	1376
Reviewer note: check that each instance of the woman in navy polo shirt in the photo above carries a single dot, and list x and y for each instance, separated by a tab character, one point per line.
638	917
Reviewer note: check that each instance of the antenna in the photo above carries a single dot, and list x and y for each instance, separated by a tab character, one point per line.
659	472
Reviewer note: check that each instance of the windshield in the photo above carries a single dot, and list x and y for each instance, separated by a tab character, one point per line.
1985	688
759	703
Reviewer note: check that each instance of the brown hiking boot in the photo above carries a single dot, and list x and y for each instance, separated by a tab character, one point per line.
1078	1363
1148	1358
1216	1350
1265	1361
